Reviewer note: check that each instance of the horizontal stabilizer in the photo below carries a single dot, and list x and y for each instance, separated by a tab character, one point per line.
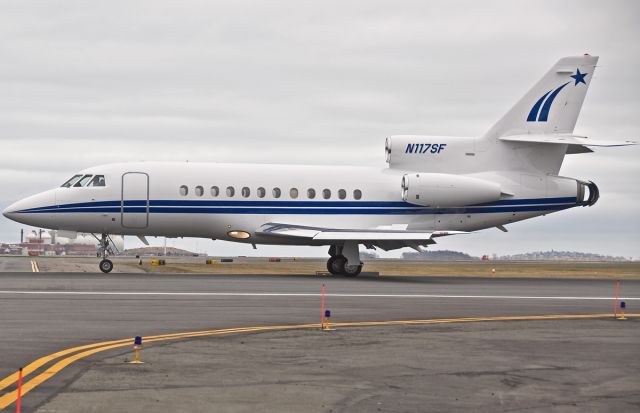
562	139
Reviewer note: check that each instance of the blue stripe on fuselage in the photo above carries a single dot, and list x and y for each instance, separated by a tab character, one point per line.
533	201
308	211
94	206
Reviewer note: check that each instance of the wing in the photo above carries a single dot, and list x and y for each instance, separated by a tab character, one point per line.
383	238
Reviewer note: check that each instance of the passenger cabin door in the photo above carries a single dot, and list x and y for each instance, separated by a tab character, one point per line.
134	205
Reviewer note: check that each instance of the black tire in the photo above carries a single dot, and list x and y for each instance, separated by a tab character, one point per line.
106	266
352	270
330	265
335	265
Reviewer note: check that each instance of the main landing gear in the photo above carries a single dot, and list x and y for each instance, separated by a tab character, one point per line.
103	251
345	260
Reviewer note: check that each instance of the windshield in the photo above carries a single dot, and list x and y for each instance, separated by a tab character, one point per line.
78	181
71	181
97	180
83	181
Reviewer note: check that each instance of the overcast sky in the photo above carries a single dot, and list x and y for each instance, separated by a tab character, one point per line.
85	83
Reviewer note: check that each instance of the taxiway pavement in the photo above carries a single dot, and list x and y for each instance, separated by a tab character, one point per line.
46	312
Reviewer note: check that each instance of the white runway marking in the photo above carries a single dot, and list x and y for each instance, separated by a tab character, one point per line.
273	294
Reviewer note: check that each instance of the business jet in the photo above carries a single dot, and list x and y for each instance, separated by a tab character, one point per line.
434	186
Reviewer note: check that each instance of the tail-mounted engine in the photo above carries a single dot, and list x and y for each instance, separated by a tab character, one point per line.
446	190
589	189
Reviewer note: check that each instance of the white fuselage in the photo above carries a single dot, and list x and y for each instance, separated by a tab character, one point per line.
148	198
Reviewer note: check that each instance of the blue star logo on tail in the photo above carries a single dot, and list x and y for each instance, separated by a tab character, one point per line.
540	110
579	77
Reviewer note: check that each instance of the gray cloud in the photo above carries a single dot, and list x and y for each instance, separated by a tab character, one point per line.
85	83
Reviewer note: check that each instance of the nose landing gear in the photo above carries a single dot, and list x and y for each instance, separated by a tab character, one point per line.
103	251
106	266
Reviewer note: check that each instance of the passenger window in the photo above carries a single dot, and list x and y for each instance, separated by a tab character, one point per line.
231	191
326	193
293	193
199	190
261	192
357	194
97	180
83	181
215	191
71	181
342	194
311	193
184	190
246	192
276	192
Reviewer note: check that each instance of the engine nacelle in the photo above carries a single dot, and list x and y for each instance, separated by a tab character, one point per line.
446	190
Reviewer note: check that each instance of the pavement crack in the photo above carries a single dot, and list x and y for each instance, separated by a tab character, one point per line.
512	372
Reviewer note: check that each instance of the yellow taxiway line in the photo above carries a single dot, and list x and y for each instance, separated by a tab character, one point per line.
70	355
34	267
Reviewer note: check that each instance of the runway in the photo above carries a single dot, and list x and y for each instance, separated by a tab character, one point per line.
47	312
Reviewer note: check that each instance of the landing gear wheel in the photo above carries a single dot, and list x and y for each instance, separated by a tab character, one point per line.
106	266
352	270
330	265
335	265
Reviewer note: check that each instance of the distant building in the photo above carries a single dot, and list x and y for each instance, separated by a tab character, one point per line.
368	255
49	243
160	251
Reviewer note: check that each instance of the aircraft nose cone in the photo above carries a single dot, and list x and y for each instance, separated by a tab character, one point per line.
32	210
9	211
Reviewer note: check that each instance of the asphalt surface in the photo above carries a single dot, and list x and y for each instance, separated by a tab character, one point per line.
46	312
546	366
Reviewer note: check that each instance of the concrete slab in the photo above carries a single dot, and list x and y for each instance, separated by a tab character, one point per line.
15	264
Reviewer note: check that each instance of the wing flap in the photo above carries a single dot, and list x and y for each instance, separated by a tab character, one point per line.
363	235
355	235
288	231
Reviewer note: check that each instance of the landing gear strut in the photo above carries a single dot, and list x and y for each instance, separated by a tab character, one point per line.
105	265
343	258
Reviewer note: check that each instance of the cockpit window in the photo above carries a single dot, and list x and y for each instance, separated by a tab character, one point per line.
71	181
83	181
97	180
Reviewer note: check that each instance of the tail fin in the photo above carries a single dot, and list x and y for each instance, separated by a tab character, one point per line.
553	104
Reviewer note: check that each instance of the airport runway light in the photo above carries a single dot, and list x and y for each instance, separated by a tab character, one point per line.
623	305
327	323
137	346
